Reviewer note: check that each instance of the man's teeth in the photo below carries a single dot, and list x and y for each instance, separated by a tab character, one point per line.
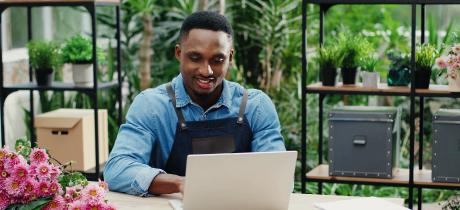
204	81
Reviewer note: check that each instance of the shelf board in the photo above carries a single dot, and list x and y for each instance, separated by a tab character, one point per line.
423	177
59	86
321	172
436	91
358	89
360	1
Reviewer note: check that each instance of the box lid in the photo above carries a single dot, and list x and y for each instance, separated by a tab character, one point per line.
450	116
372	109
62	118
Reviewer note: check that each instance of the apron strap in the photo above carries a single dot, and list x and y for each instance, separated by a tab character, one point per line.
242	107
172	96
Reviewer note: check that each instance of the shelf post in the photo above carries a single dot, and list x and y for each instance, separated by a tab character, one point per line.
423	22
412	108
320	140
32	120
120	81
304	97
2	96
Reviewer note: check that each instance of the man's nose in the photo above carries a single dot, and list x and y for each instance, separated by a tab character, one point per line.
206	71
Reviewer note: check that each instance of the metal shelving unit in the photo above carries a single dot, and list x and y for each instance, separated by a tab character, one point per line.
410	178
90	5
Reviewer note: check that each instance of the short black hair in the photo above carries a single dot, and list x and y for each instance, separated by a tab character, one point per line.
205	20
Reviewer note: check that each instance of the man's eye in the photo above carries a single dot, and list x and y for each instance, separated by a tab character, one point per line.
195	59
219	60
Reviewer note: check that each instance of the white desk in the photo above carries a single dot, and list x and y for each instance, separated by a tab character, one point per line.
297	201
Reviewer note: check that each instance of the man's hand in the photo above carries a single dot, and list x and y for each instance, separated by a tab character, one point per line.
167	184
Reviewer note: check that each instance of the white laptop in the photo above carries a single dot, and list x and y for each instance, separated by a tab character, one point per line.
252	181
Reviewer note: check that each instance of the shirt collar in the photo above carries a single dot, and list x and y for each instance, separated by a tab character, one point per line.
183	99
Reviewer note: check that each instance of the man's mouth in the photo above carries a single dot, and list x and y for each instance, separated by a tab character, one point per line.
204	83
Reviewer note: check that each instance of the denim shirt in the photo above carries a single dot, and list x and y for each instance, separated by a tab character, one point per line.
143	144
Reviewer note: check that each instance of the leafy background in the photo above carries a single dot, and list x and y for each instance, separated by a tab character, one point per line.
267	46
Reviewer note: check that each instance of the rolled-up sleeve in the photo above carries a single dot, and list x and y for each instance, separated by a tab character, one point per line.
127	169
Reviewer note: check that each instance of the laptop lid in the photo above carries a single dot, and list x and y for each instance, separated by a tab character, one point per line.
259	180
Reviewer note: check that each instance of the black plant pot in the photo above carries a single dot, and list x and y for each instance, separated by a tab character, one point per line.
350	76
422	79
44	77
330	77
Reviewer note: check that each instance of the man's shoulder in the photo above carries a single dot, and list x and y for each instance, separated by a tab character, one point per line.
238	91
157	94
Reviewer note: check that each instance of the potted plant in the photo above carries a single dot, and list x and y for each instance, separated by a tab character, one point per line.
79	51
356	47
371	79
399	69
330	59
425	58
43	56
451	63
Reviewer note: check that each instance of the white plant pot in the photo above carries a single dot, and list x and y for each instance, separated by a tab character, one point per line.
371	79
83	75
454	84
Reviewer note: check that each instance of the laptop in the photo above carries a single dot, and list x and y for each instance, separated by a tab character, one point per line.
258	180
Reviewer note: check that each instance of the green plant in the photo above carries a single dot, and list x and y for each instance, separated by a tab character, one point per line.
425	56
79	50
398	60
43	54
330	56
356	47
370	62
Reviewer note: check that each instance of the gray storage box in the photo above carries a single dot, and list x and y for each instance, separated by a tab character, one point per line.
364	141
446	146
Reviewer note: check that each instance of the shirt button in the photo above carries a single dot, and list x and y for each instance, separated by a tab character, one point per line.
204	116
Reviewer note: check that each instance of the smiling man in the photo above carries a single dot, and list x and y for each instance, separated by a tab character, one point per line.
198	112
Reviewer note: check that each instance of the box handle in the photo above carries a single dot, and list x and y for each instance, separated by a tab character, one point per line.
60	132
359	139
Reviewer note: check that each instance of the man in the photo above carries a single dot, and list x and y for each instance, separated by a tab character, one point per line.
198	112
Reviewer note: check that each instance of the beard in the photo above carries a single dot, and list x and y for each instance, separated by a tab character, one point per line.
202	97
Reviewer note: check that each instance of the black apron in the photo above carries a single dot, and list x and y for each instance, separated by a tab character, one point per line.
207	137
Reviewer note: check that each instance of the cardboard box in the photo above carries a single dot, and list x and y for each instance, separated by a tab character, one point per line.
70	135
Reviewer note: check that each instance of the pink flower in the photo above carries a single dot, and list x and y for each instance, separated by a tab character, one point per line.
456	65
4	152
55	172
20	171
441	63
97	206
2	164
93	193
12	159
4	201
31	186
456	48
38	156
103	184
43	189
77	205
58	203
43	171
14	186
111	206
54	187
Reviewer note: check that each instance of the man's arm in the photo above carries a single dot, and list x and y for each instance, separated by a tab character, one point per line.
265	125
127	169
166	184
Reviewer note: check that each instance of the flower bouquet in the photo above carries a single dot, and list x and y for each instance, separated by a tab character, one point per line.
30	182
452	63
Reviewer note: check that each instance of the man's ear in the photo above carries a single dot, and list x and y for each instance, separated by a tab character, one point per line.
231	56
178	52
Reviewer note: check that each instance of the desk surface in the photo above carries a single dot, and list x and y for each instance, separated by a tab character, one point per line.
297	201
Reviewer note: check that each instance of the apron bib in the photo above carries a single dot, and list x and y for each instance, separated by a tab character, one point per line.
207	137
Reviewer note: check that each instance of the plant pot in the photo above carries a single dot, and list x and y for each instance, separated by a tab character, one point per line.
330	77
83	75
400	77
371	79
44	77
422	79
350	76
454	84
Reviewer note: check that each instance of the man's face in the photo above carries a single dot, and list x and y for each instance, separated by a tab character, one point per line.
204	57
